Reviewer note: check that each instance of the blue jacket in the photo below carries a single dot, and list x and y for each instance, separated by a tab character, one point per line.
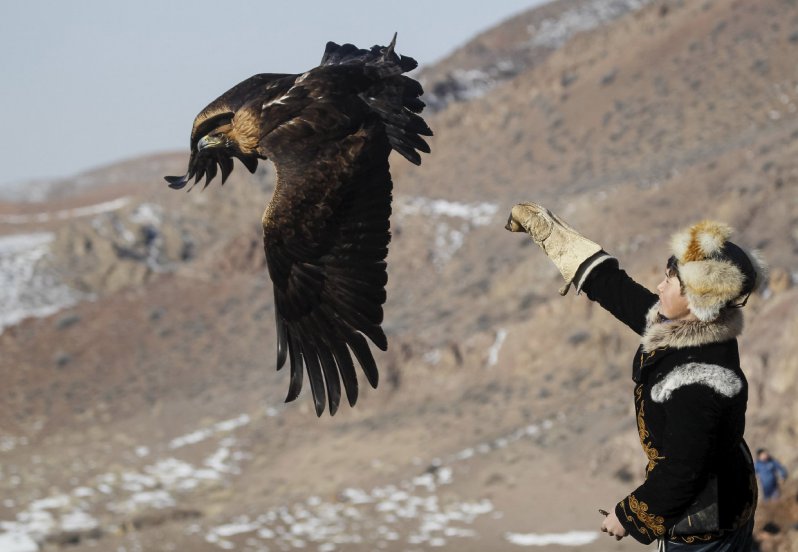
768	473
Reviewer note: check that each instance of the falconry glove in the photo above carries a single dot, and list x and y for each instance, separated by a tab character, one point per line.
566	247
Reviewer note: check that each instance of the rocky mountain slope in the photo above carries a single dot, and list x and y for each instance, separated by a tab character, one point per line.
145	414
515	46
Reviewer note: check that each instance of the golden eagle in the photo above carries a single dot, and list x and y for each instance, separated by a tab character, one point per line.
329	132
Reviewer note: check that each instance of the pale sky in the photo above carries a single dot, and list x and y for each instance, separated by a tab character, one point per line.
85	83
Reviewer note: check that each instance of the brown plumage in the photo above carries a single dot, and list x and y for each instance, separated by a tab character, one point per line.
329	132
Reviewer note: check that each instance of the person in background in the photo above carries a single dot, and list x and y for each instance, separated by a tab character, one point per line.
690	394
770	473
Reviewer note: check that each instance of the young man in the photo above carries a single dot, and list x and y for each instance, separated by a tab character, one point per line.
690	394
770	473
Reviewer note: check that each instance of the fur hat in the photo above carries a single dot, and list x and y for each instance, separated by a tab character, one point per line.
714	272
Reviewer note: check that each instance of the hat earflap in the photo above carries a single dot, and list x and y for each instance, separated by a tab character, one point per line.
709	286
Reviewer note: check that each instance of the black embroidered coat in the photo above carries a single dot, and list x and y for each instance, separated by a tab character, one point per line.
690	398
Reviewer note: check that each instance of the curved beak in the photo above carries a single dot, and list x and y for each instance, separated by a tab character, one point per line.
208	142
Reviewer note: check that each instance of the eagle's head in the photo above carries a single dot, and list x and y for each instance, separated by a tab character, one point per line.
213	142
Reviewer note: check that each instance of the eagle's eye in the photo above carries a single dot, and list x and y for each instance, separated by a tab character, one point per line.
214	140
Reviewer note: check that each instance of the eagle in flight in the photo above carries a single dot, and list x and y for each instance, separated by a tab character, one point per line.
329	132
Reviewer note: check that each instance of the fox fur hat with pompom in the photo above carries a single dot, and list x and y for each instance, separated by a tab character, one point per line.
714	272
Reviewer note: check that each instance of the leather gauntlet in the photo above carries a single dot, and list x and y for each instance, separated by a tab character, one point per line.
566	247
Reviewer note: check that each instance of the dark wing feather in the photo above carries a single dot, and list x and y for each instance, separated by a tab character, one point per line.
326	235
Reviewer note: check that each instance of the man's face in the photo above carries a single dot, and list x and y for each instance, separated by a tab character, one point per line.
673	305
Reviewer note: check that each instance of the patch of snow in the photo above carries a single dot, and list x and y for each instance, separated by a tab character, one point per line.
555	31
356	496
465	454
572	538
454	220
50	503
236	528
141	452
218	461
202	434
25	289
65	214
179	475
493	352
78	521
478	214
147	213
502	441
432	357
30	526
444	475
381	514
83	492
155	486
157	499
13	541
137	482
8	442
447	241
468	84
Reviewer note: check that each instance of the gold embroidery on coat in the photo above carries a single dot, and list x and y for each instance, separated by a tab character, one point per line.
690	539
652	521
651	453
641	530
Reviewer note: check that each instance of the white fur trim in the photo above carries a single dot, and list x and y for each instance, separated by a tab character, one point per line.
589	269
721	379
690	333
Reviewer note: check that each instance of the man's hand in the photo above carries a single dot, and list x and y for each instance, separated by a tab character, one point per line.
566	247
531	218
612	526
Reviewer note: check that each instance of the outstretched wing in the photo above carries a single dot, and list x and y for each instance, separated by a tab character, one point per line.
326	230
326	234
